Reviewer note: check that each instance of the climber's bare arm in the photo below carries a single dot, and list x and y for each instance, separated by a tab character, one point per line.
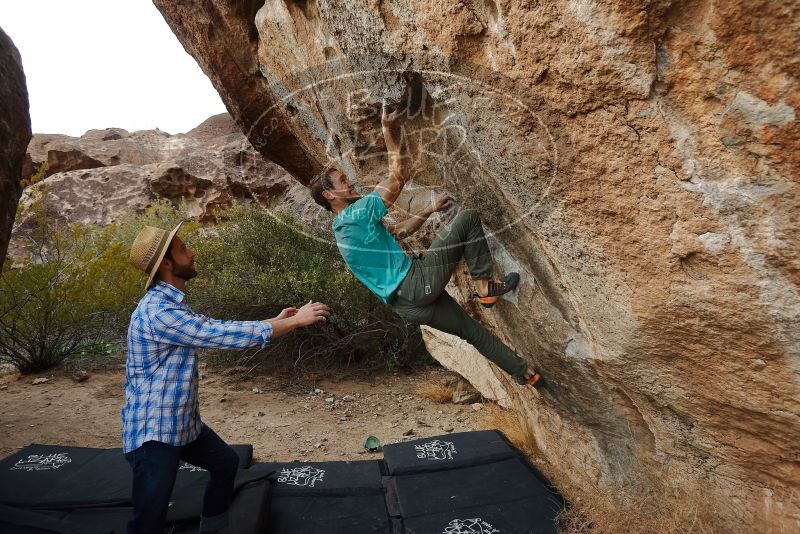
399	160
404	229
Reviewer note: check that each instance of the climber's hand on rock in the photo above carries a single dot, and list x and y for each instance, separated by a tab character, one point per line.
389	121
442	202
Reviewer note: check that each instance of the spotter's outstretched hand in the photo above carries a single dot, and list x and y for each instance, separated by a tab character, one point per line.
287	312
311	313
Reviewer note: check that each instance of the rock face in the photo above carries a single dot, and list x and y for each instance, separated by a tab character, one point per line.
15	133
637	162
103	174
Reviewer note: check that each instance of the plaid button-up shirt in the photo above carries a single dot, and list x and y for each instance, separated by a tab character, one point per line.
161	371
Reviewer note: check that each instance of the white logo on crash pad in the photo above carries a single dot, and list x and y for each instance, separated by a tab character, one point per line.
42	462
469	526
191	468
301	476
436	450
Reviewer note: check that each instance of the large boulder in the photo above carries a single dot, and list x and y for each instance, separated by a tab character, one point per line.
225	45
15	133
637	162
108	173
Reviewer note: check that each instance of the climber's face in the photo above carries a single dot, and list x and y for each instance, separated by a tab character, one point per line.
342	192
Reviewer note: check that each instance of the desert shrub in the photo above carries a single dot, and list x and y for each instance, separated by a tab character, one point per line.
436	392
76	291
515	426
36	177
71	295
161	214
664	501
667	502
254	263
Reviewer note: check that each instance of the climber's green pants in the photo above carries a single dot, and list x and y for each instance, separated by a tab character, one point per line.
421	298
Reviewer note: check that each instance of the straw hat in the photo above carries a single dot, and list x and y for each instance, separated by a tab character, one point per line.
149	248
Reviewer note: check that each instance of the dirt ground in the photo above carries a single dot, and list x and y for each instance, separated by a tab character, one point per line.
328	420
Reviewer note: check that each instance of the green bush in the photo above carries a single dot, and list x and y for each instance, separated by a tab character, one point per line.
72	295
254	263
76	291
36	177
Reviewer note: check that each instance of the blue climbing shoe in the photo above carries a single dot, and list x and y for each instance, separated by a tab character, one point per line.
498	288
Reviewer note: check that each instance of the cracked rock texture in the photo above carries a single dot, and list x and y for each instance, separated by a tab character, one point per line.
15	132
95	178
637	162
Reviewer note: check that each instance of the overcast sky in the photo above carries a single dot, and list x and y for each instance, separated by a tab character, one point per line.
103	63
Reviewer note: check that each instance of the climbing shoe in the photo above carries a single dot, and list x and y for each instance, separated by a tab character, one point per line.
534	380
497	288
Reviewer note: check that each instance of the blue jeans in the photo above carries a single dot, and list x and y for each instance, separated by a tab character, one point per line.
155	466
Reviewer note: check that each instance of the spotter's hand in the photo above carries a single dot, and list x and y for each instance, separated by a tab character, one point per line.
287	312
311	313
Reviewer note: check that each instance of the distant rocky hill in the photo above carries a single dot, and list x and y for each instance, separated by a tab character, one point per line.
103	174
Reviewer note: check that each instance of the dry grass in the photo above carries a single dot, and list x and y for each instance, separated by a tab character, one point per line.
665	504
514	426
436	392
668	504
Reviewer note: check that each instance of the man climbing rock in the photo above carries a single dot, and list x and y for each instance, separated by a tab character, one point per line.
415	287
161	419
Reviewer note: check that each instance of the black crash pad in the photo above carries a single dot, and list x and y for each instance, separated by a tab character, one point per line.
60	477
449	451
324	478
362	514
114	518
518	517
327	497
479	485
105	480
455	483
248	513
28	475
18	521
186	502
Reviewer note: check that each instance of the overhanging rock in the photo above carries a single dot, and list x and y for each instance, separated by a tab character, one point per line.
638	160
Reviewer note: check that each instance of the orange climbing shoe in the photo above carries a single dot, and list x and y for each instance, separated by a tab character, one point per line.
497	288
531	378
535	380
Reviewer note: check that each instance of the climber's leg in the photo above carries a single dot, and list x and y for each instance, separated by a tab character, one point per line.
446	315
462	237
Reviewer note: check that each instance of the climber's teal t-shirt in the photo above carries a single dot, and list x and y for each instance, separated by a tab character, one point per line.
371	252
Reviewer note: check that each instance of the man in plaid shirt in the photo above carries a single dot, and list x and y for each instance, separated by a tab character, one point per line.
161	422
